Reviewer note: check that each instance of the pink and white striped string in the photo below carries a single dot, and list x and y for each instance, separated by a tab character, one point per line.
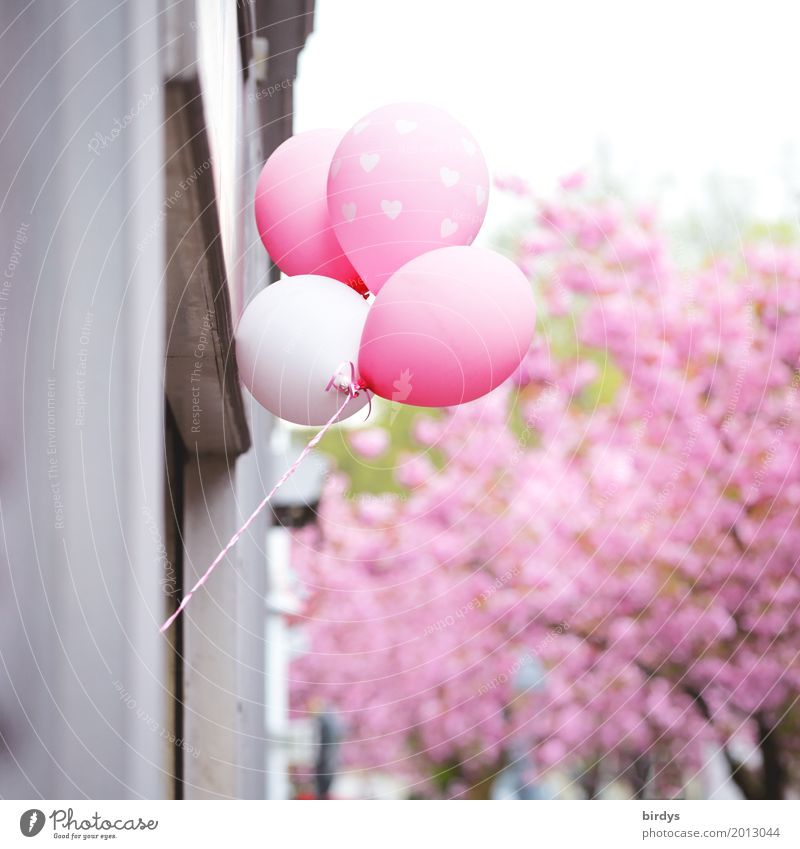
351	389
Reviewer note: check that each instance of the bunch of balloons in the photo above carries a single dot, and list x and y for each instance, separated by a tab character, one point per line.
389	209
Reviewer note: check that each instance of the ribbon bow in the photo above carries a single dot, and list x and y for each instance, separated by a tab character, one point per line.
341	382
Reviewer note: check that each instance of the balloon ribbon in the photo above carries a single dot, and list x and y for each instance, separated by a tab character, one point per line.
351	389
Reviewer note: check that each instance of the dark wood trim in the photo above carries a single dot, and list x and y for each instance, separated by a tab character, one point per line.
198	297
246	19
174	462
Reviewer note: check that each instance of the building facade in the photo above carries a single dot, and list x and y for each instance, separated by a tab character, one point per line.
132	139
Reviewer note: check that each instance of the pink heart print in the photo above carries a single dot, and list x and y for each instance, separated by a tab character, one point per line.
417	180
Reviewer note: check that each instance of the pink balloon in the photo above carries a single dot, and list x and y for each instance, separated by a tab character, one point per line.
448	327
405	180
291	208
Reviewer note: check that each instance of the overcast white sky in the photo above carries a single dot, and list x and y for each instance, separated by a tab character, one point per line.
675	90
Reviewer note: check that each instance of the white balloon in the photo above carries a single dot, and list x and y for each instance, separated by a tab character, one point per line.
292	338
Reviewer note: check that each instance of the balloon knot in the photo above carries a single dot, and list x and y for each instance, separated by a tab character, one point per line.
344	380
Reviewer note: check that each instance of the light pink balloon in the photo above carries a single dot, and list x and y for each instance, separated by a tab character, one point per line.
291	208
448	327
405	180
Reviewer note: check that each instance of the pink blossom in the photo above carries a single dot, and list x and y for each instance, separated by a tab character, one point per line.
369	442
639	543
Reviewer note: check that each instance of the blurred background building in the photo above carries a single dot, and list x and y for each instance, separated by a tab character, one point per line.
131	142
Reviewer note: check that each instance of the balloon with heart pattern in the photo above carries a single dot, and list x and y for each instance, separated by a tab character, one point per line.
406	179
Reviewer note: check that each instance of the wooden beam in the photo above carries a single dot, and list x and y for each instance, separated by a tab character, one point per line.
201	380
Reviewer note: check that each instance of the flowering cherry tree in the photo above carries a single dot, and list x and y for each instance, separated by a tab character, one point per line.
594	570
